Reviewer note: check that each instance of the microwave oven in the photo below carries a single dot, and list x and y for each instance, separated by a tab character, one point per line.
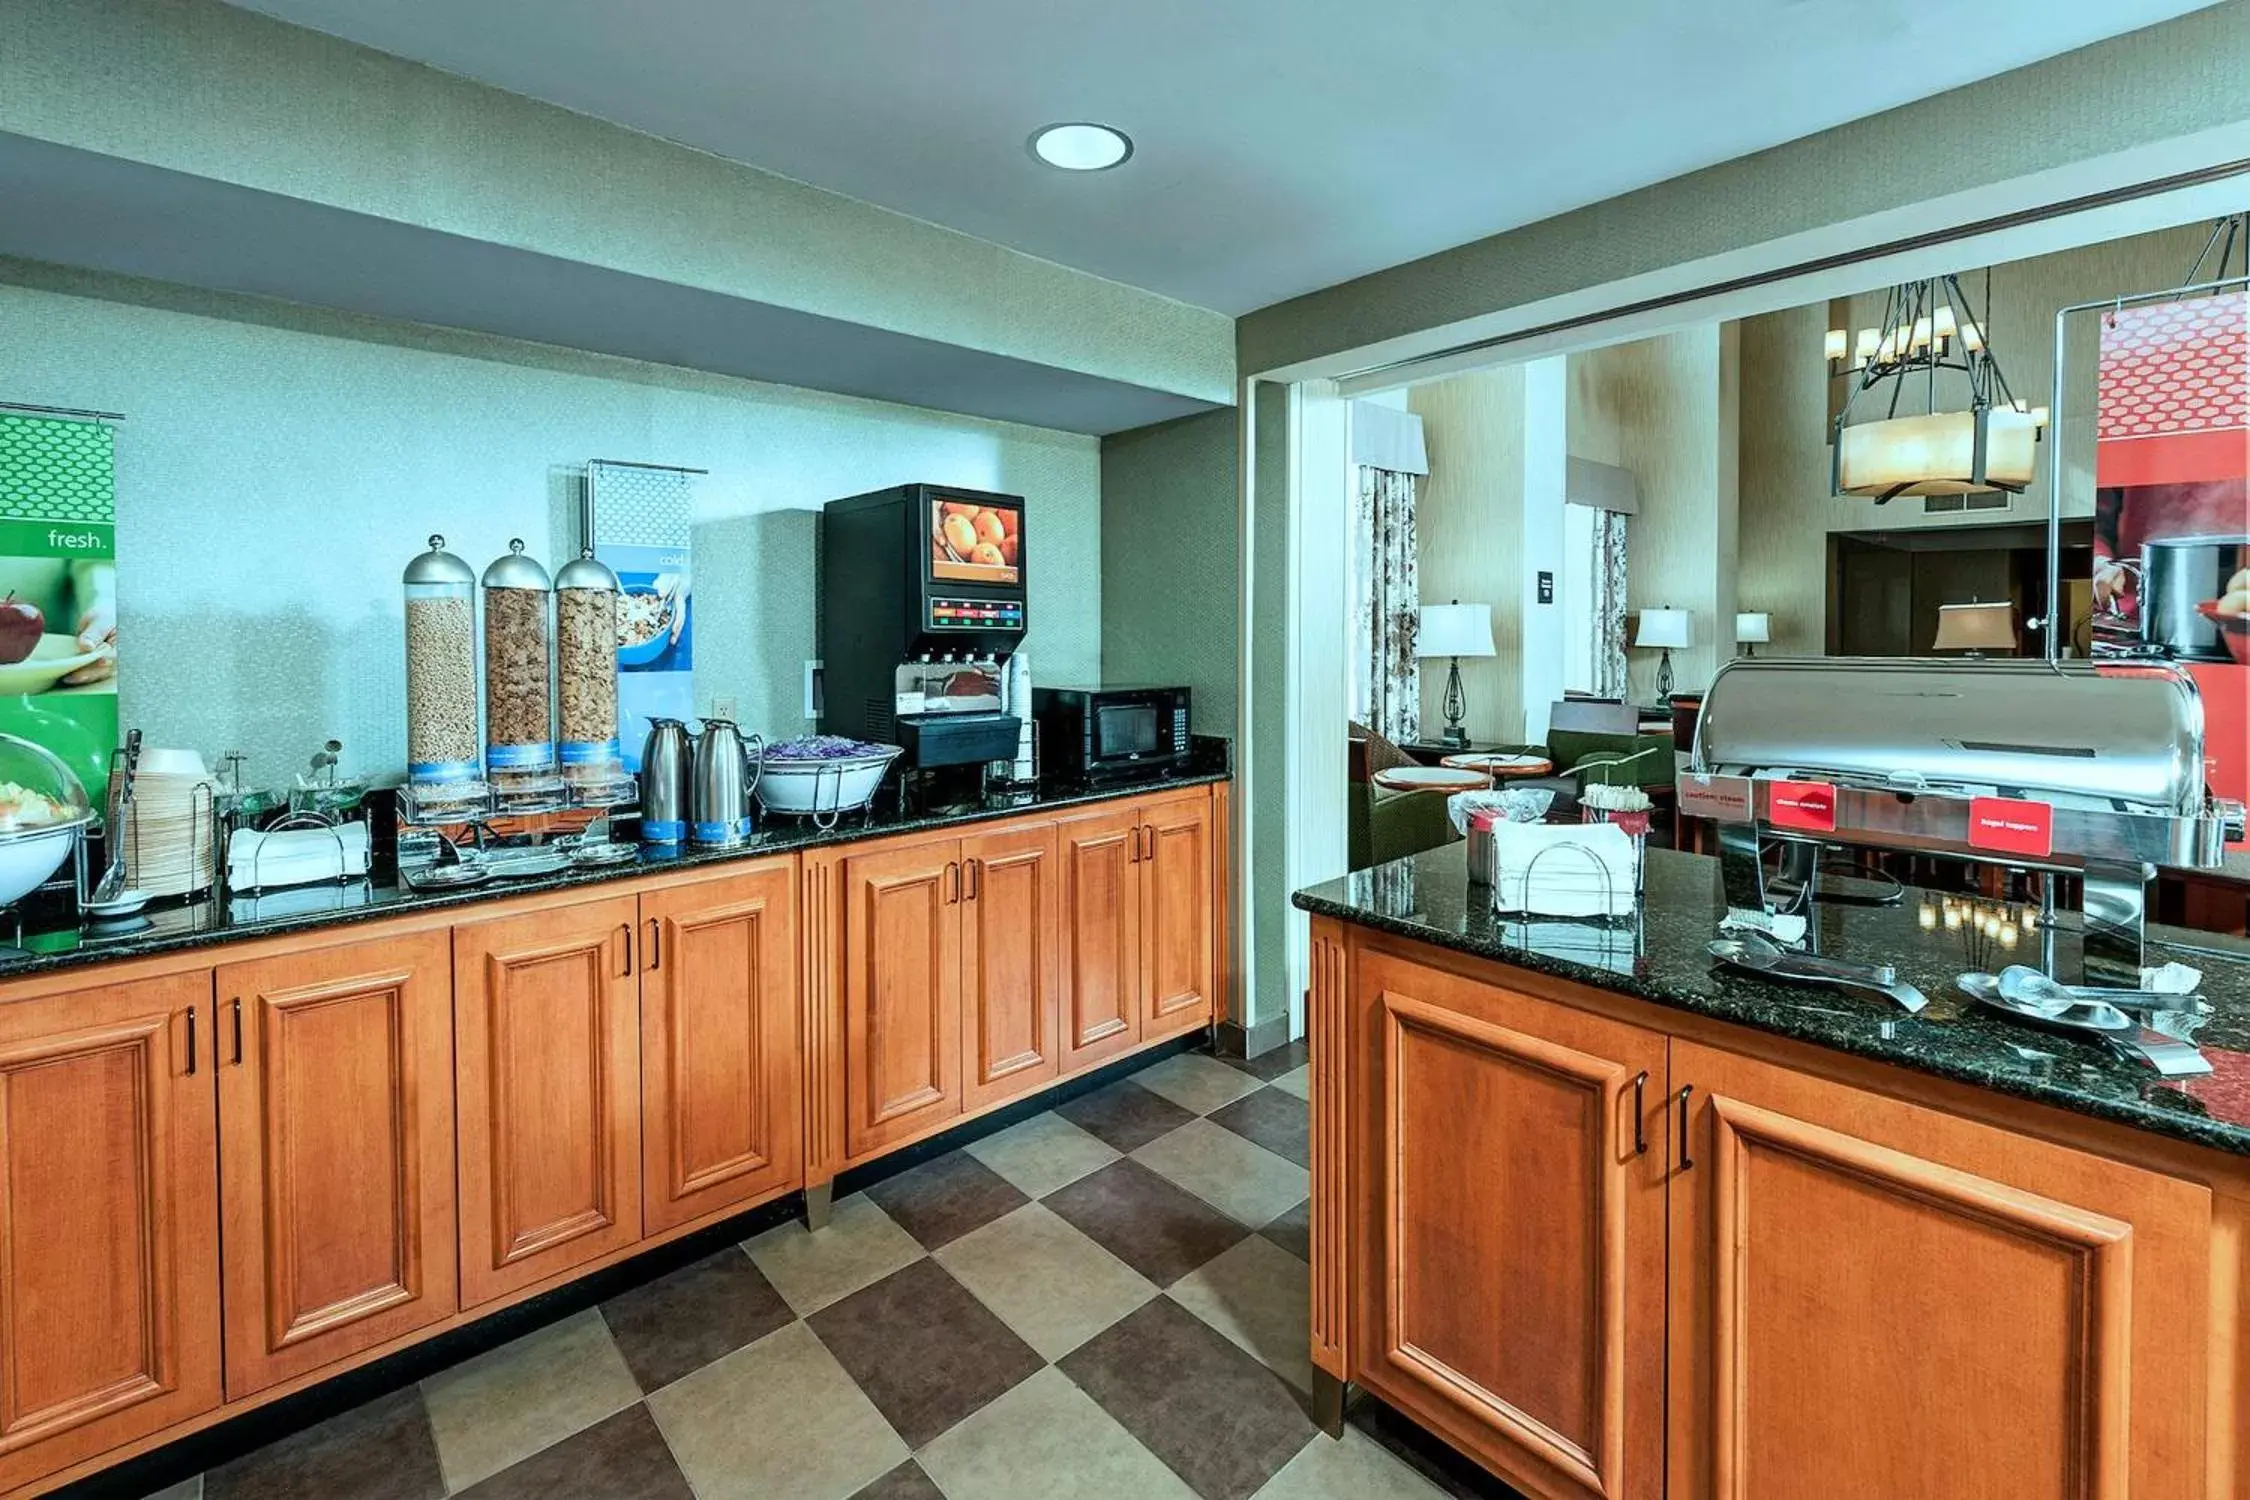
1111	733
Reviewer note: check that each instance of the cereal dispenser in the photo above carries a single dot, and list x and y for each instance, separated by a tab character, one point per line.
519	713
593	761
444	776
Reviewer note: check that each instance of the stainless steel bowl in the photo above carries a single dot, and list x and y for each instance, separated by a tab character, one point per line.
2177	574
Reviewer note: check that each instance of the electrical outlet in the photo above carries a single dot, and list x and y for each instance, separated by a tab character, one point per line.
723	708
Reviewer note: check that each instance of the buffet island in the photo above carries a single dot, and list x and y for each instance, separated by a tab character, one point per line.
251	1145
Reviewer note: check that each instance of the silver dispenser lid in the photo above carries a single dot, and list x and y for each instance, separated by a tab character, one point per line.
515	571
439	566
585	571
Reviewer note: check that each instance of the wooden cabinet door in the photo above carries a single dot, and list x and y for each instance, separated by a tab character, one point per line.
1101	869
1509	1158
1873	1299
335	1072
902	992
721	1079
547	1052
1178	971
109	1225
1011	967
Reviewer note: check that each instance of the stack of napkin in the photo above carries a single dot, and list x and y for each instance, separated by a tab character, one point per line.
1565	870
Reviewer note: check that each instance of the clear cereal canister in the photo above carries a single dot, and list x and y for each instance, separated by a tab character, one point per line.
444	772
519	702
593	760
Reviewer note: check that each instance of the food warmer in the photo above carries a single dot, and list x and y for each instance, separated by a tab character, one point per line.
2094	769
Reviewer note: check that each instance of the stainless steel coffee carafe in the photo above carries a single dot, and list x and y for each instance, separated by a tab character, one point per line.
725	775
665	760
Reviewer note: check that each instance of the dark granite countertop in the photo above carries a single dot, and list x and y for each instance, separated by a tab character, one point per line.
1662	959
62	942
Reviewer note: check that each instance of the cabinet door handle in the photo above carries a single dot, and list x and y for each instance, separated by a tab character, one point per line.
626	929
1686	1161
976	878
655	945
1133	850
191	1042
953	882
1640	1113
237	1009
1148	841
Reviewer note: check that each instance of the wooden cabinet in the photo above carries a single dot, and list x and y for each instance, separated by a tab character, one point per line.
547	1057
721	1114
1178	945
1101	945
902	992
1509	1225
109	1224
1873	1298
1011	931
335	1078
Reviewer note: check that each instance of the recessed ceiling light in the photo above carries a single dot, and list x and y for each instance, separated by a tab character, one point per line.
1079	146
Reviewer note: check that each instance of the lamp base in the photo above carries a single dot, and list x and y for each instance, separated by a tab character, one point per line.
1454	737
1664	676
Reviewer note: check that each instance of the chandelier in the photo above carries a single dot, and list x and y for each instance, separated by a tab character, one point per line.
1906	376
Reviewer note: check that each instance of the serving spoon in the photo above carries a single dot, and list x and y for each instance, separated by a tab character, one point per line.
1747	949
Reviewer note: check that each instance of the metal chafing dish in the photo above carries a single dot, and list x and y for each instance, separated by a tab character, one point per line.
1905	754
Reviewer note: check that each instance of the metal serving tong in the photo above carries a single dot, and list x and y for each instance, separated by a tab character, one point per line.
2108	1016
1759	954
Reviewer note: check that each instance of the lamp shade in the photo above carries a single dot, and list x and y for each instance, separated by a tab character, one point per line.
1666	628
1455	629
1753	628
1976	627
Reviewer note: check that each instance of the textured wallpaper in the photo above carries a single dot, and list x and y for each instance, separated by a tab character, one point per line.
275	475
1469	522
1171	559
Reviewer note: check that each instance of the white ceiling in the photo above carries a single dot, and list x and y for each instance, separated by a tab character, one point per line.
1282	145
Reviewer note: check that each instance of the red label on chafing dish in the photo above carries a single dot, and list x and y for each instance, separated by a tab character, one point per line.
2010	825
1806	806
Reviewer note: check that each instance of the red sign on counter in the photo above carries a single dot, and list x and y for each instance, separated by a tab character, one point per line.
1806	806
2011	825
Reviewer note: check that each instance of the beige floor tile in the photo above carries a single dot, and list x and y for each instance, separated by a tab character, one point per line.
512	1402
1193	1081
1355	1468
1238	1177
1298	1083
1043	1153
1260	1296
811	1269
1051	1284
1047	1440
778	1420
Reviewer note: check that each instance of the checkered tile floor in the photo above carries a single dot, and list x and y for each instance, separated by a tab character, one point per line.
1108	1299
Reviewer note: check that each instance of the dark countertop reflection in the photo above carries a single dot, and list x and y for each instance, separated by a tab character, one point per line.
1662	958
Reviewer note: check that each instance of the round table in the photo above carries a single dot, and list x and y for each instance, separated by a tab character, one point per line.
1445	779
1500	765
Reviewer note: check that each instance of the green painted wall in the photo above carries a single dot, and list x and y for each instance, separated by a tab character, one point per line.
2187	75
1171	560
201	87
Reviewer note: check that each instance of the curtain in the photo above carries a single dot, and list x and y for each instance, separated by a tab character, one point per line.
1387	607
1608	573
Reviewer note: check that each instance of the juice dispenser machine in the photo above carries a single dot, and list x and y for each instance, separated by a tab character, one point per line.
921	604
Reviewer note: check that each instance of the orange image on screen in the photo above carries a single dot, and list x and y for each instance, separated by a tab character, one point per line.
975	543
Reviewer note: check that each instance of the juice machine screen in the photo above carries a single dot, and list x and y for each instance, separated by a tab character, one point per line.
976	543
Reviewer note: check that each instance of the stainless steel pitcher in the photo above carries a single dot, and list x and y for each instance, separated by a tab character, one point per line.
725	776
665	757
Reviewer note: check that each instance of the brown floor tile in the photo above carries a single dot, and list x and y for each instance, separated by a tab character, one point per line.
681	1322
906	1482
1293	1231
1271	1065
1162	1373
1161	1230
939	1201
618	1458
1125	1115
380	1451
1281	1122
925	1351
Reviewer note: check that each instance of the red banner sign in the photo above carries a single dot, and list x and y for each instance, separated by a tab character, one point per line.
2010	825
1805	806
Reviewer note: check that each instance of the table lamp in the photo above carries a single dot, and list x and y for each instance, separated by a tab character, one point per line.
1976	628
1665	630
1752	630
1455	630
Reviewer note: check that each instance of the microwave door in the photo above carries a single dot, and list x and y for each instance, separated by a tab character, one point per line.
1126	731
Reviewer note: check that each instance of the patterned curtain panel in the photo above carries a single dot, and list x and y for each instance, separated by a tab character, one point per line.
1609	603
1388	606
